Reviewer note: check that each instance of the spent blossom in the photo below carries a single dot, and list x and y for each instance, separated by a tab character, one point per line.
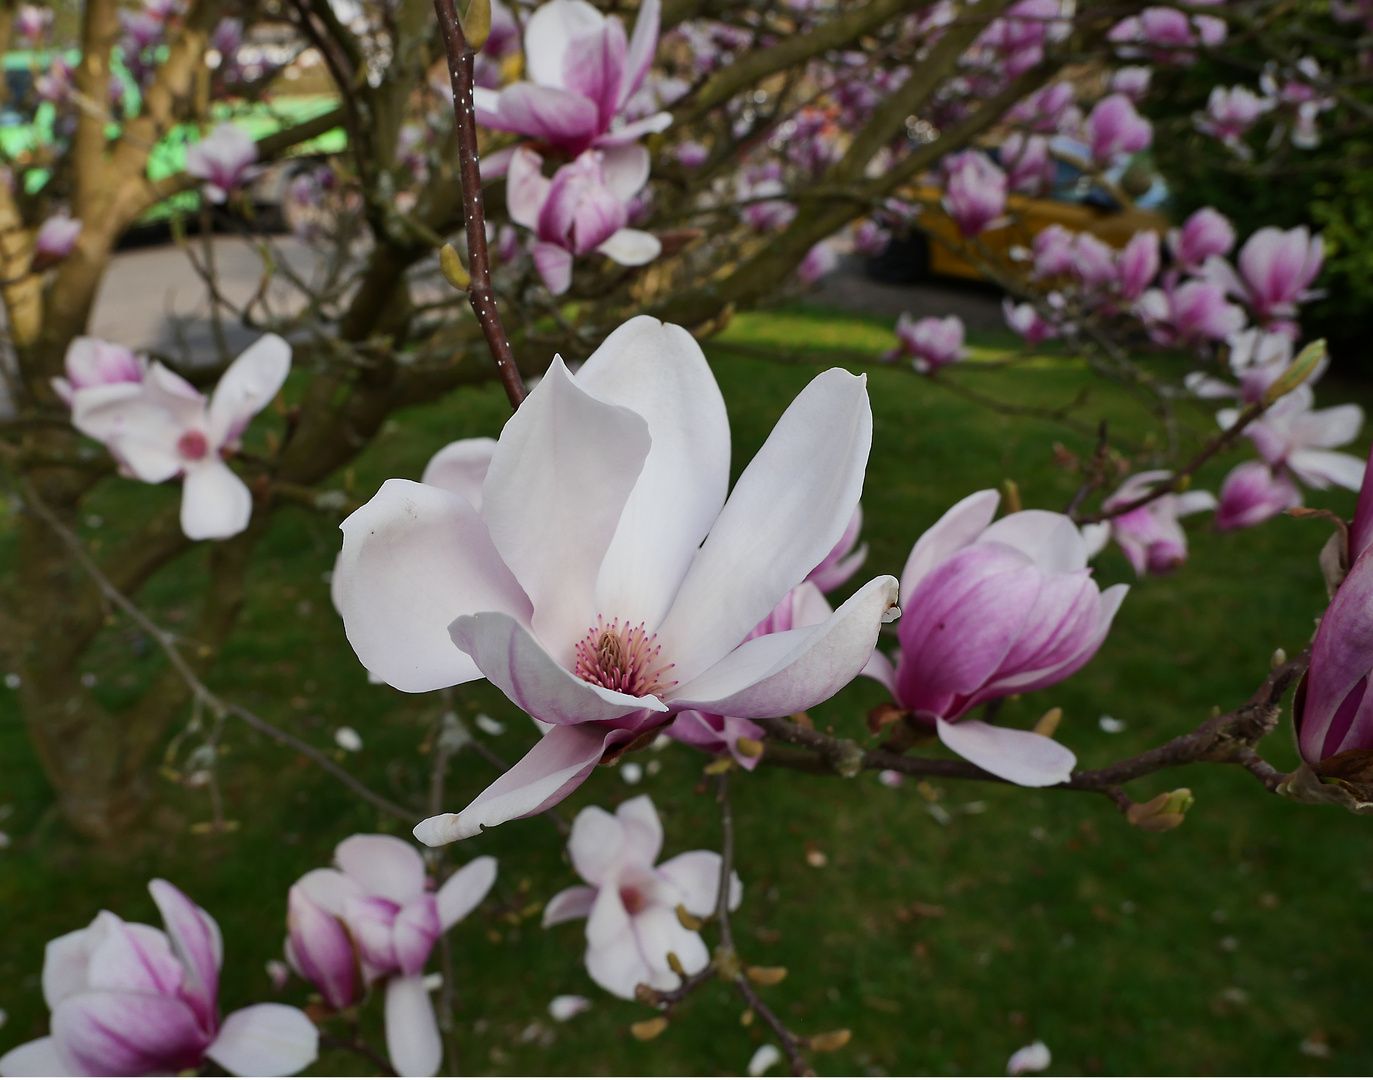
630	904
583	589
128	999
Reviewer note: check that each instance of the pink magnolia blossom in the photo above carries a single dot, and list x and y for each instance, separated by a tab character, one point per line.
1132	81
820	260
1170	34
130	1000
1026	321
1276	269
164	427
1192	313
692	154
1047	109
1295	435
1230	113
582	589
1333	710
871	238
54	240
1029	167
223	159
932	343
1138	264
630	904
581	73
1206	233
1113	128
1094	261
1150	535
1259	357
1253	493
375	919
991	610
92	362
975	192
584	208
33	24
1361	528
1053	252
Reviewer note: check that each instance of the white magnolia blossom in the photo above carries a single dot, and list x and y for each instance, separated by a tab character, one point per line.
1295	434
605	583
630	905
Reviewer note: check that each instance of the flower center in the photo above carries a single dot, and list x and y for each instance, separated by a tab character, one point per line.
192	446
623	659
633	900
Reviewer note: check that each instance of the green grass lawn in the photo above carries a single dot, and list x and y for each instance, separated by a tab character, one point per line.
1217	948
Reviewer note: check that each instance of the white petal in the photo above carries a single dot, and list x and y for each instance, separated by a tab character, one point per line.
780	674
548	32
1096	535
1194	502
658	371
265	1040
66	960
36	1058
788	510
412	1031
643	831
626	172
697	875
142	433
960	525
467	888
414	559
562	472
659	931
596	844
215	502
764	1058
613	959
880	667
574	902
250	382
382	865
330	889
1322	468
1051	540
565	1006
460	467
632	247
1022	757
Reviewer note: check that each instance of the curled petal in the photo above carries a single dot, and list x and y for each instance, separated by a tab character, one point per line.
572	903
1022	757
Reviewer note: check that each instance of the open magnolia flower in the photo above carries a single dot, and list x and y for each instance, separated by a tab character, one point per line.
163	427
374	919
1150	535
630	905
606	584
992	610
130	1000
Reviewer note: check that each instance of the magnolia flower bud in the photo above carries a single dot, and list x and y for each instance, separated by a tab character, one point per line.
829	1041
1162	812
645	1030
453	270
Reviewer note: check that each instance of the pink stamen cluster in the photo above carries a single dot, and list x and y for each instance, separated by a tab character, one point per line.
193	446
622	659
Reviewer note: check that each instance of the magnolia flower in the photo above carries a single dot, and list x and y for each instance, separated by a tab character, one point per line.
1192	313
1114	127
223	159
1026	321
1053	251
32	24
583	208
54	241
92	362
1259	357
630	905
164	427
1137	265
582	72
1028	164
1171	32
1276	269
1046	109
1132	81
820	260
975	194
1295	435
1094	261
841	563
1253	493
374	919
991	610
1230	113
130	1000
582	588
1149	535
932	343
1207	232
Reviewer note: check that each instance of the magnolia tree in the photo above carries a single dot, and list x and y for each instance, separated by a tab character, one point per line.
606	190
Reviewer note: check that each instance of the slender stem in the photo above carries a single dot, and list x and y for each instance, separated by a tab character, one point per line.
726	865
357	1046
483	297
791	1044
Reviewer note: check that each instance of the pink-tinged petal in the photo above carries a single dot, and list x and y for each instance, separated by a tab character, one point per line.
613	959
330	889
370	921
494	165
557	765
643	831
1328	427
526	187
417	929
1195	502
412	1031
659	931
384	866
789	508
1051	540
596	845
320	950
658	371
514	661
558	484
548	32
783	673
626	170
1361	528
631	247
594	67
265	1040
198	944
1063	617
1321	469
597	217
572	903
215	502
697	875
879	667
960	526
564	119
465	889
127	1033
415	558
67	959
554	265
623	136
642	45
37	1058
134	957
1340	661
1022	757
460	467
142	433
247	386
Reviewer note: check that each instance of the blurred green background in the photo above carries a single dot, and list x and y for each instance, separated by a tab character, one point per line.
949	924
